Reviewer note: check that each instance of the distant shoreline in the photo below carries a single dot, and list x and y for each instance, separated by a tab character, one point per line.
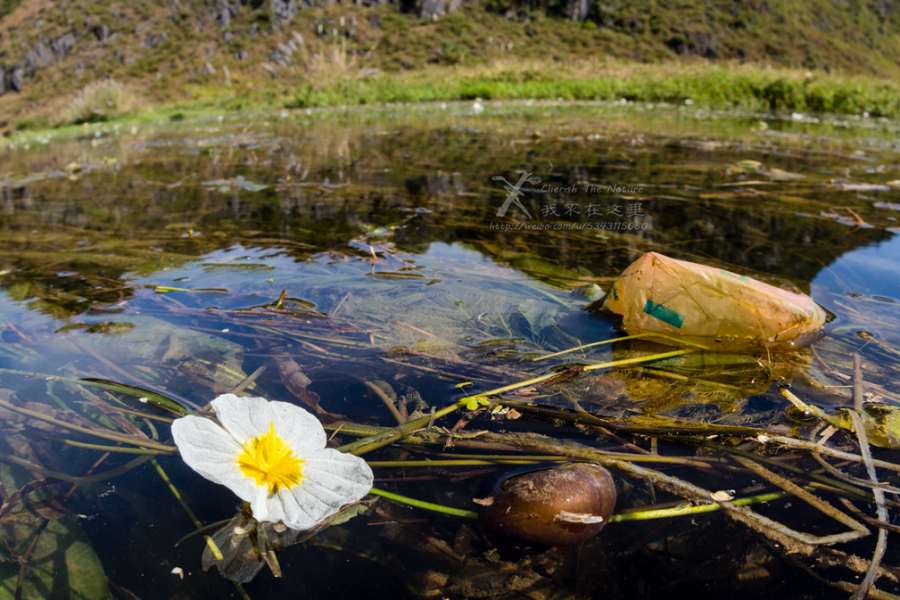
65	63
700	86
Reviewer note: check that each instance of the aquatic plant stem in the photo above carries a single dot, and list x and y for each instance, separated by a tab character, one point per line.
857	383
868	581
376	441
23	560
190	513
675	427
637	360
101	434
622	339
176	493
248	381
839	485
388	402
456	512
688	509
857	529
360	447
813	447
211	527
122	371
137	392
119	449
455	463
30	466
643	515
143	415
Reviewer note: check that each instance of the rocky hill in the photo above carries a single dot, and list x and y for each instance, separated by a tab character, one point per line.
56	53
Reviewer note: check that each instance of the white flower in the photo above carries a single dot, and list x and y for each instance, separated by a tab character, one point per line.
272	455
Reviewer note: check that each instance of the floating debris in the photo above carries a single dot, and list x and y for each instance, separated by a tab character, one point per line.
709	306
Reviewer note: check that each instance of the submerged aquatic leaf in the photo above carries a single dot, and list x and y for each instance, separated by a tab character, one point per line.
205	359
547	271
881	422
61	550
9	416
589	292
113	327
477	401
540	315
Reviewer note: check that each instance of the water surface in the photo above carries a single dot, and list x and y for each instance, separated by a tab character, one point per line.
155	257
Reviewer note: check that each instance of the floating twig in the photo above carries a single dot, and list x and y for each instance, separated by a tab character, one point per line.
881	546
857	529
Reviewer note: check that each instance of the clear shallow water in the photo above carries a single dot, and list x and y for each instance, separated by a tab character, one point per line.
382	230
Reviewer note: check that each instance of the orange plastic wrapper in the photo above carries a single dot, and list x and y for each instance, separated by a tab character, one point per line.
712	307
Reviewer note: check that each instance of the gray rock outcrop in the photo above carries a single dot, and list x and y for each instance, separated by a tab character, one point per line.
284	10
17	79
225	11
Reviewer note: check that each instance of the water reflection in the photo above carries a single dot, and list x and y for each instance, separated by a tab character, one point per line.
318	260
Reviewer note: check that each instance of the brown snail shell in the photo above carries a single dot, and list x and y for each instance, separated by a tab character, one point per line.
564	505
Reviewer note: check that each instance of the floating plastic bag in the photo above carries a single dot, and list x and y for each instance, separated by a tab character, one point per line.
712	307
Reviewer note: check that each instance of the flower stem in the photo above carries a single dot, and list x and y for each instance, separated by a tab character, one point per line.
456	512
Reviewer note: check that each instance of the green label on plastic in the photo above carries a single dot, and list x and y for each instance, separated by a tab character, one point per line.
664	314
615	293
741	277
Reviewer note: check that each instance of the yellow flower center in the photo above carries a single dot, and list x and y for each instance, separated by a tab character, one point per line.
270	461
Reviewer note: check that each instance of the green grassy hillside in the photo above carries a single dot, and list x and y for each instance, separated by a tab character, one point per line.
63	54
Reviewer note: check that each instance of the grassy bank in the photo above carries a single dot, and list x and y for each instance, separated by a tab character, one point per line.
702	84
705	84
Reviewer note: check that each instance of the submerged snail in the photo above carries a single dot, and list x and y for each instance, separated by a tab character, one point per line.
564	505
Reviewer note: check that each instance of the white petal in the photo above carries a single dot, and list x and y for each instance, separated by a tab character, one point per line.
302	431
296	516
244	418
212	452
330	480
263	507
345	474
247	418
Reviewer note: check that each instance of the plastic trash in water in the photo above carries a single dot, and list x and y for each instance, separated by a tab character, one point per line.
713	307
